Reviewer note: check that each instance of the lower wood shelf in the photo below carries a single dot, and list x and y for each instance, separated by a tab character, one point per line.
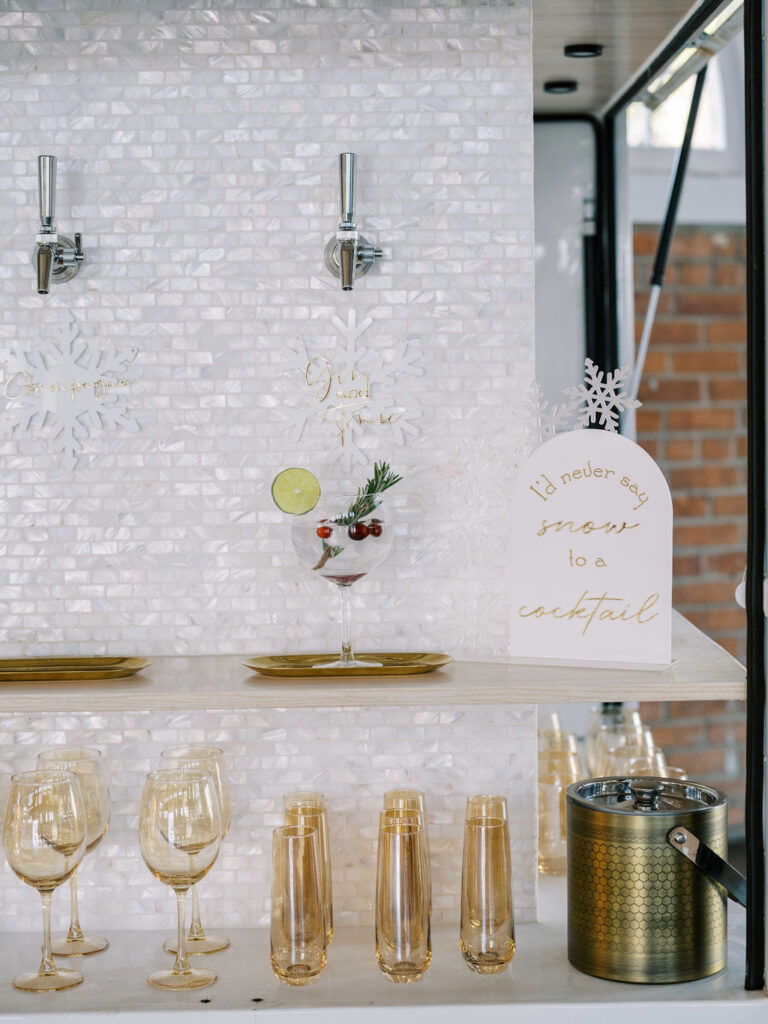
540	985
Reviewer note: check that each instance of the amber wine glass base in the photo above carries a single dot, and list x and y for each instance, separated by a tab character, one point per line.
34	982
180	980
79	947
195	947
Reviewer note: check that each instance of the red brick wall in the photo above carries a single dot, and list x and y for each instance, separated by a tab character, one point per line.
693	422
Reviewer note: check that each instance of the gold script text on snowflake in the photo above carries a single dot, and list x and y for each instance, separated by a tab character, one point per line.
21	385
353	391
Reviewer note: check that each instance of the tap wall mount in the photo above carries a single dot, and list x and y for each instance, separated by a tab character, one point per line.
348	255
56	257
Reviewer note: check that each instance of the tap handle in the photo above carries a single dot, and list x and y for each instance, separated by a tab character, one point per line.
44	255
347	178
46	172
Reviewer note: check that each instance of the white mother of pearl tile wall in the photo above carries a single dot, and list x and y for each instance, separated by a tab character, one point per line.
352	755
197	145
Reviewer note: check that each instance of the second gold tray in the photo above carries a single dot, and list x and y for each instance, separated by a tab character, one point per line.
292	665
68	669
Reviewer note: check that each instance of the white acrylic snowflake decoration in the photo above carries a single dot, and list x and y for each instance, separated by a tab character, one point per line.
354	390
601	397
541	419
67	391
598	399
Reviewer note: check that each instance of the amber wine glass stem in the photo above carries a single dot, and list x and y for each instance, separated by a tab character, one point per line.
181	966
47	966
75	931
196	930
345	600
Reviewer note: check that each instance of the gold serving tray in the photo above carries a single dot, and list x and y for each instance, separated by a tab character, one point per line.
291	665
65	670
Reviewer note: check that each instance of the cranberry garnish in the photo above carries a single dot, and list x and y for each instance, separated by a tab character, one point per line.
324	532
375	528
357	531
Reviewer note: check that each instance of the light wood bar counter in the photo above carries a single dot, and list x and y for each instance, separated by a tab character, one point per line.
701	671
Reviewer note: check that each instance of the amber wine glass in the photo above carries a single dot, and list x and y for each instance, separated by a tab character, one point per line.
341	546
211	760
44	833
87	764
179	836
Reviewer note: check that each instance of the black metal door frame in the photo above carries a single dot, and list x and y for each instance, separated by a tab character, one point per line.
606	355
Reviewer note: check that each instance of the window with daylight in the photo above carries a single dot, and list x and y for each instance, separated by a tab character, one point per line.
663	128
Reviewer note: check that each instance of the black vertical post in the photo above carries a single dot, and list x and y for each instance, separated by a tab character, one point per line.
754	93
606	349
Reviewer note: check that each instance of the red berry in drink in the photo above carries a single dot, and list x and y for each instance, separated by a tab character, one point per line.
324	532
375	528
357	531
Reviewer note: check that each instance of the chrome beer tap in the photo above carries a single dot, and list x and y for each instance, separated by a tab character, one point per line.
56	256
348	255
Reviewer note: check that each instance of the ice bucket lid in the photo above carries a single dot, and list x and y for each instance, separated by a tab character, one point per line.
644	795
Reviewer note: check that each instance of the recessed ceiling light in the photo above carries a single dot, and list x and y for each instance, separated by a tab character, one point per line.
583	50
560	86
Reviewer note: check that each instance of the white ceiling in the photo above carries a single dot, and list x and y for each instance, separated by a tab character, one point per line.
629	31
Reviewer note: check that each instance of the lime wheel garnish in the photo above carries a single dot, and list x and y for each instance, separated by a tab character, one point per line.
295	491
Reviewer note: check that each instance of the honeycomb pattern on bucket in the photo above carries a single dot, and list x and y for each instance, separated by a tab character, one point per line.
641	912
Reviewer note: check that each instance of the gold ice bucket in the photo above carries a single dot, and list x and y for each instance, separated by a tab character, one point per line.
638	910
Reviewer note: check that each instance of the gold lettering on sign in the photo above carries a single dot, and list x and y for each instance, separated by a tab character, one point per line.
543	487
587	527
353	391
590	609
21	385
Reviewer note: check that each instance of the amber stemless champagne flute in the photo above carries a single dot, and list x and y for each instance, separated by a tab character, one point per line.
88	764
403	942
44	833
557	771
487	934
342	539
486	805
179	836
297	928
414	800
308	809
206	759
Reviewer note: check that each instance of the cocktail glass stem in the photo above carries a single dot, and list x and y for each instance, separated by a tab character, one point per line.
196	925
181	964
75	932
47	966
345	600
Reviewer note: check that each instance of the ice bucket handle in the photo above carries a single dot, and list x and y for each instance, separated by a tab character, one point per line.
709	862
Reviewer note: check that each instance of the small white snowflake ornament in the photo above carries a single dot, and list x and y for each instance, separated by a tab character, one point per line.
67	391
601	397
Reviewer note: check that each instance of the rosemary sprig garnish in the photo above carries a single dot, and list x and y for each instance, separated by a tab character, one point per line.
366	502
